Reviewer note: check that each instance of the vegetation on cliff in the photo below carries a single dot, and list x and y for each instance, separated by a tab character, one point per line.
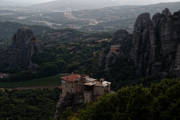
160	101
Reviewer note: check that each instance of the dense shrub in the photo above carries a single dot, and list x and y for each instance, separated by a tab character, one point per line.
160	101
28	104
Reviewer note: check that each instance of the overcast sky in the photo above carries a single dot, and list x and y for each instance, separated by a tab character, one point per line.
121	1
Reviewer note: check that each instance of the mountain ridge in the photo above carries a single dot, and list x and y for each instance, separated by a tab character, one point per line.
85	5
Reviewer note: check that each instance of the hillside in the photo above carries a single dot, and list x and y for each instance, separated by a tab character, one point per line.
7	29
159	101
121	17
6	3
28	104
61	5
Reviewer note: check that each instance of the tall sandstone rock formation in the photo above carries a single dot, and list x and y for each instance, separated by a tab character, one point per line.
18	55
120	47
156	44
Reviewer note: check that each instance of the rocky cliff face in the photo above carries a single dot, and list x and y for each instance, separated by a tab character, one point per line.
156	44
120	47
18	55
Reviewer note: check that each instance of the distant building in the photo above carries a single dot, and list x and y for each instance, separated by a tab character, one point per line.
3	75
90	88
68	13
71	84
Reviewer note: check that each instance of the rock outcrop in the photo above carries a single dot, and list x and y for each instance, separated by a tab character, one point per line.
112	56
18	55
120	47
156	44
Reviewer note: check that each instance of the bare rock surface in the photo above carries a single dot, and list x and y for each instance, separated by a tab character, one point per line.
18	55
156	44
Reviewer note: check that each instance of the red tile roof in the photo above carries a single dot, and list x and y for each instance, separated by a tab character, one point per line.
71	78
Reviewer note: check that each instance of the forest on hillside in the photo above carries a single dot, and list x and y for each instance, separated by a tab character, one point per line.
159	101
28	104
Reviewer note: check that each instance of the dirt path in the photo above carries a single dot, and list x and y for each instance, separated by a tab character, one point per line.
35	87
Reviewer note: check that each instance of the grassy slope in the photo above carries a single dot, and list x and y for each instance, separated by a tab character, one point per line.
48	81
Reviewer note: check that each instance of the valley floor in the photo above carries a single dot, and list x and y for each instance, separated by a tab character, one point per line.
48	82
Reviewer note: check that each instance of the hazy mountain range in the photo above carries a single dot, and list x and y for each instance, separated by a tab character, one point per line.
75	4
105	19
60	5
5	3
